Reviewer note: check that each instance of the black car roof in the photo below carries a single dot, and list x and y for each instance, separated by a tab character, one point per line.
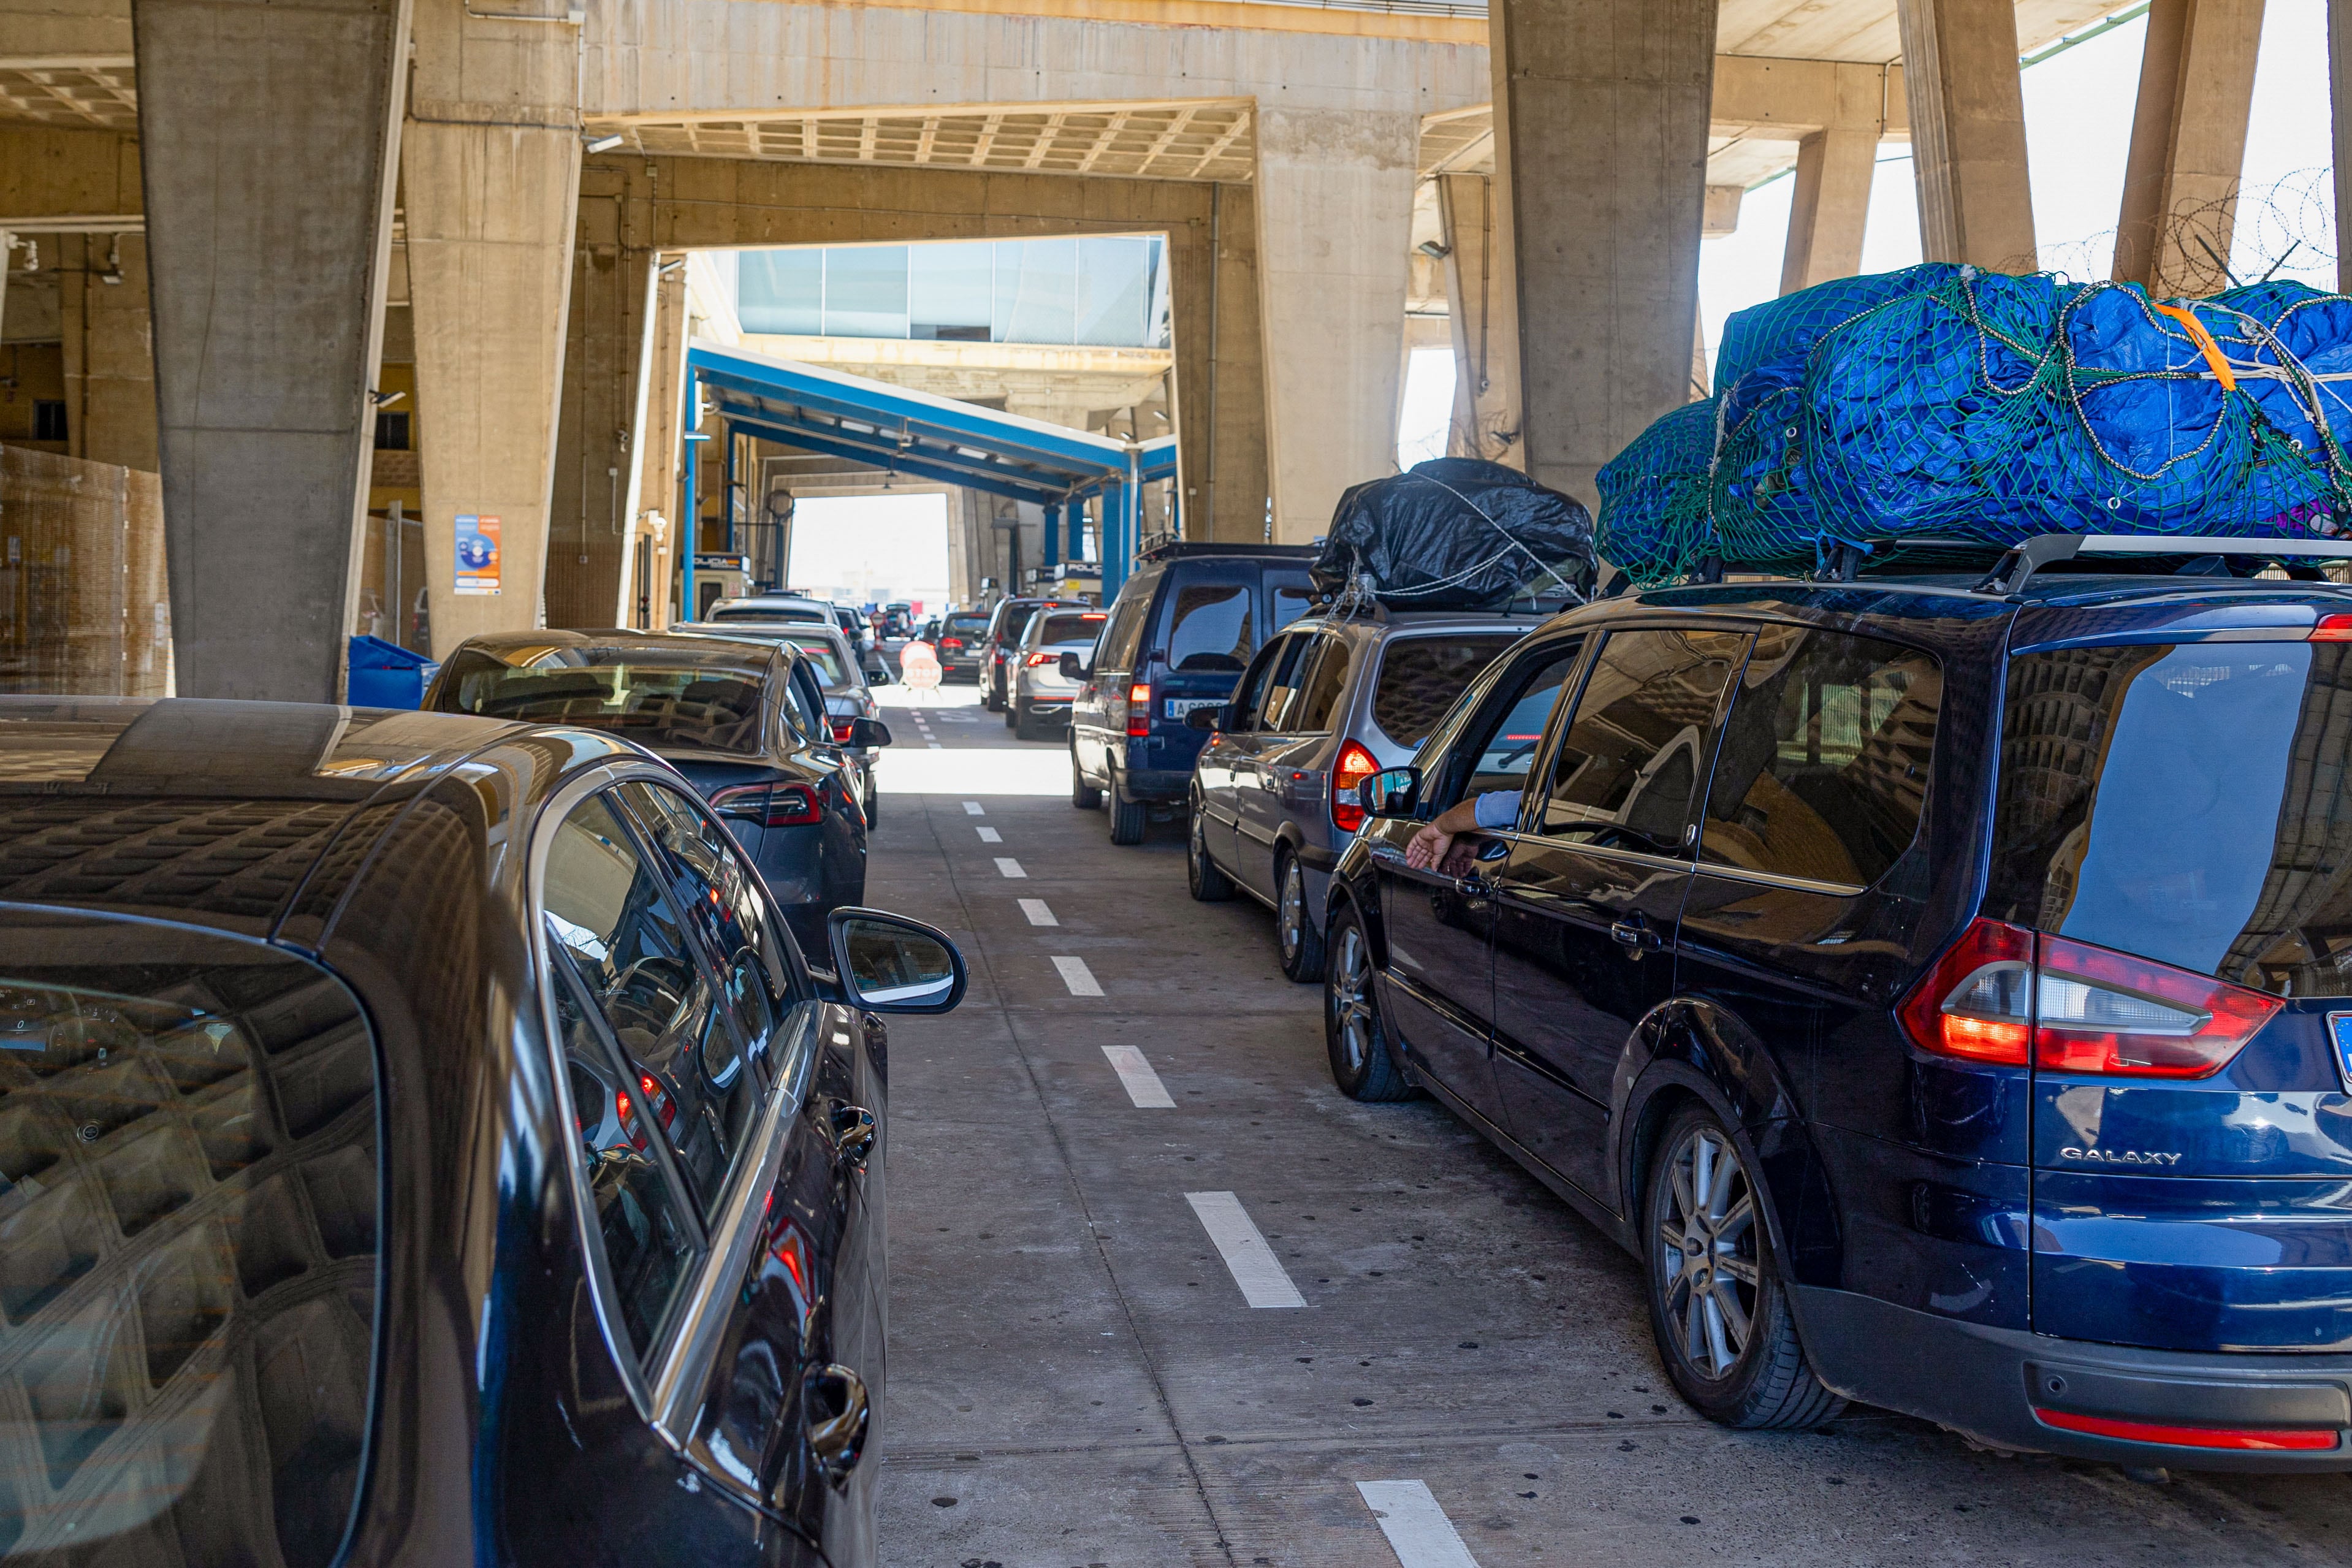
218	813
589	649
1185	550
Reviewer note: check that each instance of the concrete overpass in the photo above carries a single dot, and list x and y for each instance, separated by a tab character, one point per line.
261	181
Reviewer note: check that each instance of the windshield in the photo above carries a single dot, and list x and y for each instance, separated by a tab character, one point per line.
965	625
188	1199
708	707
1070	631
1016	618
2182	802
825	660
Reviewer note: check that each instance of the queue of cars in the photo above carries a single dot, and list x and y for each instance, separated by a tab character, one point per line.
1937	982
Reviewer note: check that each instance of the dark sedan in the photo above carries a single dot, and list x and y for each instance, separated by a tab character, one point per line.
745	724
421	1142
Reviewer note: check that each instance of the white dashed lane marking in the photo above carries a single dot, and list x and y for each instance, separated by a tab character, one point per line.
973	808
990	836
1078	977
1039	915
1142	1084
1418	1530
1247	1258
1006	866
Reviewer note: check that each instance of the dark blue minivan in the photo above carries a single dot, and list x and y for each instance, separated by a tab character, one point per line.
1180	632
1943	985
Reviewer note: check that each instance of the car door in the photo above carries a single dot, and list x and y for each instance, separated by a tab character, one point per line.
1099	712
1258	797
744	1378
1438	980
1587	901
1215	771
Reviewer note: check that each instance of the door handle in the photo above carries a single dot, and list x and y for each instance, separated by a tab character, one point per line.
835	1411
853	1132
1635	936
1474	886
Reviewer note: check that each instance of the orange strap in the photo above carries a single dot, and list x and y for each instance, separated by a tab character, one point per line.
2204	342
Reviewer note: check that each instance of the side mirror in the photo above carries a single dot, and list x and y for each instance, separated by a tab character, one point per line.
888	963
868	733
1071	669
1207	718
1393	792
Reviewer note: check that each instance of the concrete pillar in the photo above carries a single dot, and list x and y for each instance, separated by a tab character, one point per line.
1482	303
268	137
656	449
608	365
490	183
1830	206
1600	144
1220	376
2187	145
110	351
2340	79
1334	225
1968	131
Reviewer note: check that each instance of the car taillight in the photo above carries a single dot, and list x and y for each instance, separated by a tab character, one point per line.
841	729
1355	764
1138	709
2331	628
770	806
2007	996
951	643
1040	660
2308	1439
627	1111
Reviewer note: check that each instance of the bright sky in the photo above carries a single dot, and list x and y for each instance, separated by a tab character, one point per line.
871	549
2078	114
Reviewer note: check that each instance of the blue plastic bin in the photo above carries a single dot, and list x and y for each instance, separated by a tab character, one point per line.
384	674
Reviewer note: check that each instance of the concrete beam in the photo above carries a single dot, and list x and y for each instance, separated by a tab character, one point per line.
269	136
490	168
1334	225
2187	145
1603	110
1967	132
1830	207
1483	313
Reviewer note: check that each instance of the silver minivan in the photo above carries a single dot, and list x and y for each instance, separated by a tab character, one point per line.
1324	705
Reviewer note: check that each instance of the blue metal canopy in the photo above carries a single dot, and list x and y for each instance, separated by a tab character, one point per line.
939	439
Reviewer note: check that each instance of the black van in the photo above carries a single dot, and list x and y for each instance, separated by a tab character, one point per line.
1182	628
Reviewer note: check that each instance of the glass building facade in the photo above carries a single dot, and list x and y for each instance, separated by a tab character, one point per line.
1109	291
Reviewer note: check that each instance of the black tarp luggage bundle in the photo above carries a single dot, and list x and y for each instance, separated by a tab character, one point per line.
1456	534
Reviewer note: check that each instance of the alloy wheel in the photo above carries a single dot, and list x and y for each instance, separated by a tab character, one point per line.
1706	1258
1351	1001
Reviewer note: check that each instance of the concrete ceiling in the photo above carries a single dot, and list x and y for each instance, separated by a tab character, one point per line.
1190	141
86	91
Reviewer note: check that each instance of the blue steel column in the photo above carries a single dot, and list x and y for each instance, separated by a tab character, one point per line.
1110	547
686	541
1052	552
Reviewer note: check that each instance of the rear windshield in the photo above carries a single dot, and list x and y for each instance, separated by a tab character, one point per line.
188	1228
716	709
965	625
825	660
1070	631
1421	677
2185	802
771	613
1016	616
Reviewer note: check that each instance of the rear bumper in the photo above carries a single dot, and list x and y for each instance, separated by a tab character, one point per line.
1986	1383
1155	783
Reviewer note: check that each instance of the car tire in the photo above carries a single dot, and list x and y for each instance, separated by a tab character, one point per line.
1084	796
1025	726
1298	933
1363	1063
1722	1273
1202	879
1013	714
992	699
1128	817
873	804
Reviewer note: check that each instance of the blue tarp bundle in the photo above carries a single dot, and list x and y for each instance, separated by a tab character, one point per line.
1949	403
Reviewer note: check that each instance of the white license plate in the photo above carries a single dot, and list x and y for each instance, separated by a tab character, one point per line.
1180	706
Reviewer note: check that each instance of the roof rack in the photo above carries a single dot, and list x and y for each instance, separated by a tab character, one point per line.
2018	565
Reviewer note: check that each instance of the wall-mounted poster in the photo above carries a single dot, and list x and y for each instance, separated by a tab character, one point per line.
477	553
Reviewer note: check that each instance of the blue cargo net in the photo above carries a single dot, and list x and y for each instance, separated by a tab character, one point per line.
1949	403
